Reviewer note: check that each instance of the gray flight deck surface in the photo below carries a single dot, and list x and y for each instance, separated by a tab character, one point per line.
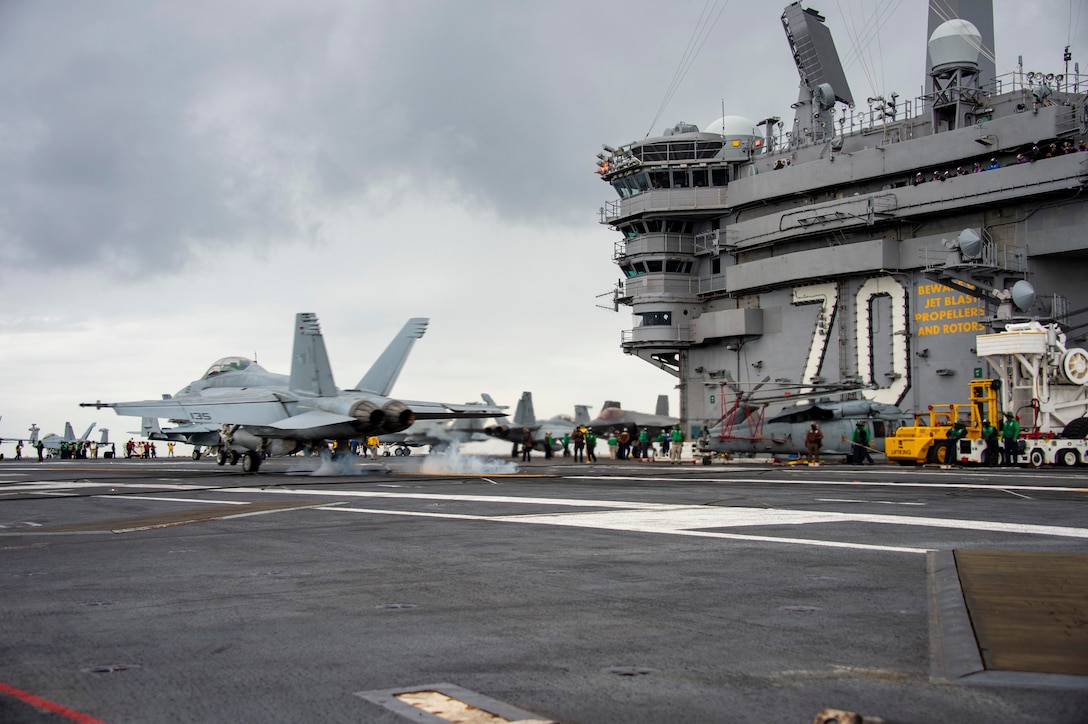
180	591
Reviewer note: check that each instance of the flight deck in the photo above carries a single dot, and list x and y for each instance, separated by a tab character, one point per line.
144	590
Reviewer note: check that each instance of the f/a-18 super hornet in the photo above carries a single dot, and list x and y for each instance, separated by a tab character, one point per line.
260	413
199	436
53	441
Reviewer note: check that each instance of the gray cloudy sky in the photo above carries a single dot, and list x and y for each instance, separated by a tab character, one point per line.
178	179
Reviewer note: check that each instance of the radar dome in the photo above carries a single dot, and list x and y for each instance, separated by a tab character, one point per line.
956	42
731	126
1023	295
970	243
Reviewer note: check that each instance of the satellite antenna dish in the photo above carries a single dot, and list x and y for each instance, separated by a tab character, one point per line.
970	244
824	96
1023	295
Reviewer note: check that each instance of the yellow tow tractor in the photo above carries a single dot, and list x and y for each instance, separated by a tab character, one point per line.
926	441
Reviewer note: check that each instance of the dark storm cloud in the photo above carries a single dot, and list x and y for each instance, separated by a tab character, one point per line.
133	133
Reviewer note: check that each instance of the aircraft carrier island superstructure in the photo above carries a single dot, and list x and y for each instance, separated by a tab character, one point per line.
857	253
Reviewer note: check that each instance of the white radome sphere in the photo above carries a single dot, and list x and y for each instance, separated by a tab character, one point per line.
955	42
731	126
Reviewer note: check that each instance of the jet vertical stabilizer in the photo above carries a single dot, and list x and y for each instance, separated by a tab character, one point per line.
311	373
383	374
662	406
581	415
69	433
524	415
105	439
85	435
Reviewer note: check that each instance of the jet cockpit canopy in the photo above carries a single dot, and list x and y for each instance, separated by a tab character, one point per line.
227	364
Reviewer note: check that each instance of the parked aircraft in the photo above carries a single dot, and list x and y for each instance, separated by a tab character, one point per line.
525	417
614	417
52	441
744	428
261	413
439	433
33	430
199	436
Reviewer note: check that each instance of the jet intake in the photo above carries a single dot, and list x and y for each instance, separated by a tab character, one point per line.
397	416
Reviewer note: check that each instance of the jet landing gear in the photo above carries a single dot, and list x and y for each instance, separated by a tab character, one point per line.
251	462
196	453
225	456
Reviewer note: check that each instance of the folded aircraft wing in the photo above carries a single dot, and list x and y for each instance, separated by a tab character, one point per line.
448	411
248	407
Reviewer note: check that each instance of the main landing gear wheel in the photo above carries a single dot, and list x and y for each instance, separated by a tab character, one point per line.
221	457
1037	458
251	462
234	455
196	454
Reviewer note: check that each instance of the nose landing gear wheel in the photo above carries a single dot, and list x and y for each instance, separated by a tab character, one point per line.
221	458
234	457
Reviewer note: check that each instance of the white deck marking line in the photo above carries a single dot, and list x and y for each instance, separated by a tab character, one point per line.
714	517
565	502
173	500
857	500
587	520
54	485
853	483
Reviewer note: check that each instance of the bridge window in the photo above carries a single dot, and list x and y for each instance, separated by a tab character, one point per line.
719	177
653	226
675	266
680	179
700	178
659	179
656	319
676	226
653	265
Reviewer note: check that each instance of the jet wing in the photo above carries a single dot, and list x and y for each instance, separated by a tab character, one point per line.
249	407
447	411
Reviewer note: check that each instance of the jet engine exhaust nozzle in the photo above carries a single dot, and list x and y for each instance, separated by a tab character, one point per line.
397	417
